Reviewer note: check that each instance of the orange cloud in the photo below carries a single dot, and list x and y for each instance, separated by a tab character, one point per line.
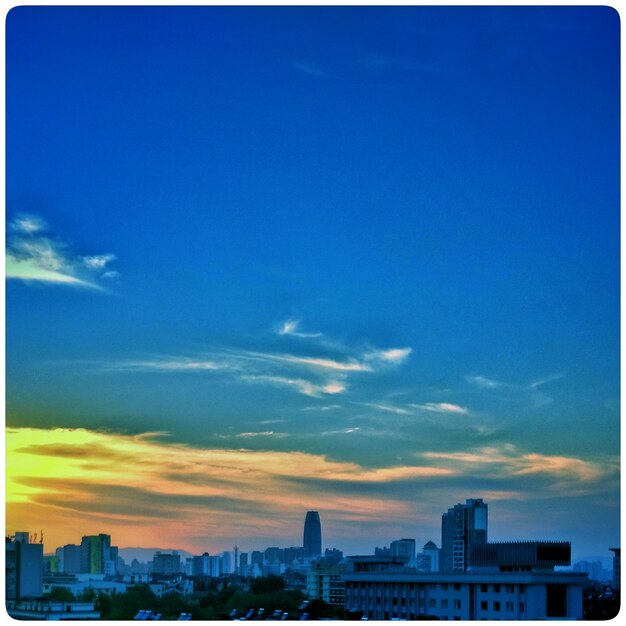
144	490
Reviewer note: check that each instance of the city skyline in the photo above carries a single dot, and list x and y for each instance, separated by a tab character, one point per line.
263	261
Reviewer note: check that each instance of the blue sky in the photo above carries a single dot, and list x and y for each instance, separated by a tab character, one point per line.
385	237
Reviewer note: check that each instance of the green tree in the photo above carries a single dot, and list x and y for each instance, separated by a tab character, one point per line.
62	594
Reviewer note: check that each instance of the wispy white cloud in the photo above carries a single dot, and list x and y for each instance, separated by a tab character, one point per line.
442	407
28	224
326	407
307	68
527	392
99	261
314	375
484	382
388	408
394	356
264	433
544	381
172	364
343	431
32	256
305	387
291	328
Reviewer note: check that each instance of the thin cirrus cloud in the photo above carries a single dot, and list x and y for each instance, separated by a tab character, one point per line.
311	375
32	256
291	328
307	68
442	407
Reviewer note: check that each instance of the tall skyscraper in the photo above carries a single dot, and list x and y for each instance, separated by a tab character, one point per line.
312	542
461	527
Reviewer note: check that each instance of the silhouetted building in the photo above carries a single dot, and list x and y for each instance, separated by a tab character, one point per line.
617	566
404	547
461	527
165	564
520	556
312	541
23	568
95	555
428	559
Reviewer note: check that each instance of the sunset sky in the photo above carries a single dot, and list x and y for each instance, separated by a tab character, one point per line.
266	260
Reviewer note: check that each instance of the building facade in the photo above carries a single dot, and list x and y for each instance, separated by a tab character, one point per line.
24	566
324	582
461	527
95	555
465	596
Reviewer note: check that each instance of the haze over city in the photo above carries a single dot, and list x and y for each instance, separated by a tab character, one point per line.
361	261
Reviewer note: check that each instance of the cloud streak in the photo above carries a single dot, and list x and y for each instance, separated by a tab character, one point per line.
315	375
32	256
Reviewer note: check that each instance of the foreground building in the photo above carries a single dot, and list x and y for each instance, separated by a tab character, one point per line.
23	567
514	581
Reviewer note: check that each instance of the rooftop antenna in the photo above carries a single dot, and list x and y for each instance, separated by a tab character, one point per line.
41	537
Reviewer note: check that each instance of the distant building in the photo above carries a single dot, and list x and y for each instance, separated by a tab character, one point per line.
333	555
243	563
201	565
165	564
96	555
289	555
69	558
405	548
428	559
24	567
593	568
272	555
617	567
461	527
256	557
312	540
226	565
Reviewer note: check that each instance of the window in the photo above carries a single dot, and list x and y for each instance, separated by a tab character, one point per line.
457	604
484	588
496	606
432	603
522	588
457	586
509	607
496	588
444	586
432	586
510	589
444	603
522	608
483	605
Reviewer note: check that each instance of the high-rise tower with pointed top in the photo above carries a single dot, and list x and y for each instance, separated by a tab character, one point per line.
312	541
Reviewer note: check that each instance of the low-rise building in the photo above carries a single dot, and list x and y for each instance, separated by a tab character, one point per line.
508	581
